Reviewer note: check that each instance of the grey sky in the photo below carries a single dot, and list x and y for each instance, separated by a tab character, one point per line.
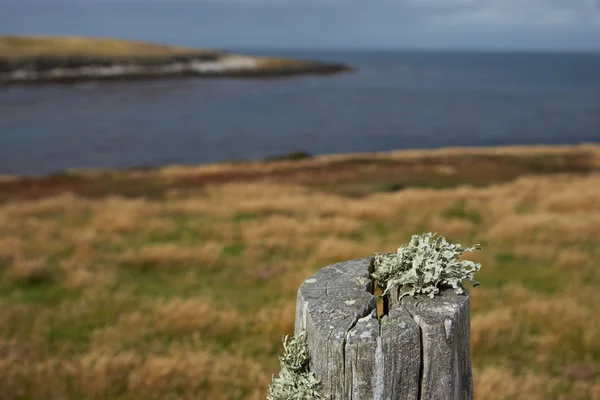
437	24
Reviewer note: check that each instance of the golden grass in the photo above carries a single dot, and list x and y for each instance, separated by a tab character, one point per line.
276	63
169	255
187	296
73	46
591	154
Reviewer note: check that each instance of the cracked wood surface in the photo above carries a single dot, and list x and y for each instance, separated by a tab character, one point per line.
420	350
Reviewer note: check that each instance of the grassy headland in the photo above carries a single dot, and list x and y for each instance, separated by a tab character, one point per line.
27	47
33	59
179	282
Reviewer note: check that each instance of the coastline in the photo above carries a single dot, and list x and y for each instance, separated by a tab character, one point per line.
353	174
57	60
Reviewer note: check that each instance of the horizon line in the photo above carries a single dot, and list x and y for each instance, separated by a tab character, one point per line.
408	49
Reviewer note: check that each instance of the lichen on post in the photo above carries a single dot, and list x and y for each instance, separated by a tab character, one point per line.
295	381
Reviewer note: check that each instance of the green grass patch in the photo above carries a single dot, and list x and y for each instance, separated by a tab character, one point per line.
361	188
75	333
44	293
226	284
234	250
388	230
508	257
357	236
186	231
151	280
34	278
458	211
523	209
390	187
158	342
37	286
512	351
243	216
534	275
277	253
249	296
379	229
103	247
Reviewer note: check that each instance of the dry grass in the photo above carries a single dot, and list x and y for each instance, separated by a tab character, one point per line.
283	64
444	157
276	63
73	46
187	295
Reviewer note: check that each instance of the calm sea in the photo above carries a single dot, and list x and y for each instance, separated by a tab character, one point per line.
398	100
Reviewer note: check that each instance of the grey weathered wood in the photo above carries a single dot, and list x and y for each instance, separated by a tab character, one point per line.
361	361
420	350
329	305
445	337
402	355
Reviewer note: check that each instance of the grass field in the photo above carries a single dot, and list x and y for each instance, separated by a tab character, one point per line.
179	283
18	47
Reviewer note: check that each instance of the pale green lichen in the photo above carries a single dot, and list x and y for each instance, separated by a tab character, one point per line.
423	266
295	381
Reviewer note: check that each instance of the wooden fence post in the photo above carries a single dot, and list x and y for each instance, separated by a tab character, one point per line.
419	351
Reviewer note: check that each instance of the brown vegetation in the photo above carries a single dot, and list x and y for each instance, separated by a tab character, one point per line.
179	283
19	47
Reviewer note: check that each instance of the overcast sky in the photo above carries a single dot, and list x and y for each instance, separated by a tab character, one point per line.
412	24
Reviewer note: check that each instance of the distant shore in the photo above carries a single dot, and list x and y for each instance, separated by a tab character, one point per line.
392	169
33	60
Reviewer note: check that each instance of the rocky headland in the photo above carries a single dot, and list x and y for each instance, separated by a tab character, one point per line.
28	59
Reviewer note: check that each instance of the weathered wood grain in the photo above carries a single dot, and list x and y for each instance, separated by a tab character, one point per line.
329	305
363	358
420	350
401	348
445	337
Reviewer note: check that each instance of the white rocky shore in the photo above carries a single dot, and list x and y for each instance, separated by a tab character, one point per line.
224	65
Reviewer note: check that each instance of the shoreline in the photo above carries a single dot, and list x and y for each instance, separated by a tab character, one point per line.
356	175
232	66
36	61
299	160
